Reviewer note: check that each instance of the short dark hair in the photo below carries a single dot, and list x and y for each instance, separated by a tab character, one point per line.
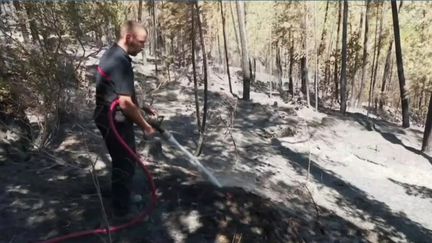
130	26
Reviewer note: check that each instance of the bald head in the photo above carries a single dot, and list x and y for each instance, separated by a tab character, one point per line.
133	36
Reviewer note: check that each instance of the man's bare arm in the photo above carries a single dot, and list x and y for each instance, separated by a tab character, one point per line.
132	111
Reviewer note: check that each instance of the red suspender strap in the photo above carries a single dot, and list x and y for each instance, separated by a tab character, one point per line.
103	73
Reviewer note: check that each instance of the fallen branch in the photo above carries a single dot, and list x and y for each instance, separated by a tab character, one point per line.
370	161
318	216
98	191
229	128
99	194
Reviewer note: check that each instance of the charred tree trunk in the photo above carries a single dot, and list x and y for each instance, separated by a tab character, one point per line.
279	68
365	50
291	63
401	75
420	102
204	60
254	70
244	49
335	79
304	59
385	76
427	136
193	37
225	47
344	58
316	74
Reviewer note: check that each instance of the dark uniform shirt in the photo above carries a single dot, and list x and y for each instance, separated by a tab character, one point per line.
114	77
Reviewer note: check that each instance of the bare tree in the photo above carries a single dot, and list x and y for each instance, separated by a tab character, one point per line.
291	64
205	75
336	80
365	54
316	74
192	38
245	52
344	58
385	75
279	67
427	136
400	70
304	59
225	46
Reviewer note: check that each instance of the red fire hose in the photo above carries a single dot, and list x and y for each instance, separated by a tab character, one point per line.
141	217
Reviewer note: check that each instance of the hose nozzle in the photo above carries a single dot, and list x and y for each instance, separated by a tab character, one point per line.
154	121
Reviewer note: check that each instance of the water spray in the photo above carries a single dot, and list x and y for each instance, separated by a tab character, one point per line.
156	122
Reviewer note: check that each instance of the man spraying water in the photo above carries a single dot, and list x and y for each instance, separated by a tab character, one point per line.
115	81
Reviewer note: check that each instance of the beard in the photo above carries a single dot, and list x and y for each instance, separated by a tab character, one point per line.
134	53
134	46
134	49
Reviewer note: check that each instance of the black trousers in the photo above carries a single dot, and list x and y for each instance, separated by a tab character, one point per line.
123	164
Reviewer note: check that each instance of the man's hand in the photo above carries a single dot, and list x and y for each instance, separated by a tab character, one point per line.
150	110
153	112
149	131
133	113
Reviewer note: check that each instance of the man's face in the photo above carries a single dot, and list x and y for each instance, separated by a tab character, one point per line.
135	41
